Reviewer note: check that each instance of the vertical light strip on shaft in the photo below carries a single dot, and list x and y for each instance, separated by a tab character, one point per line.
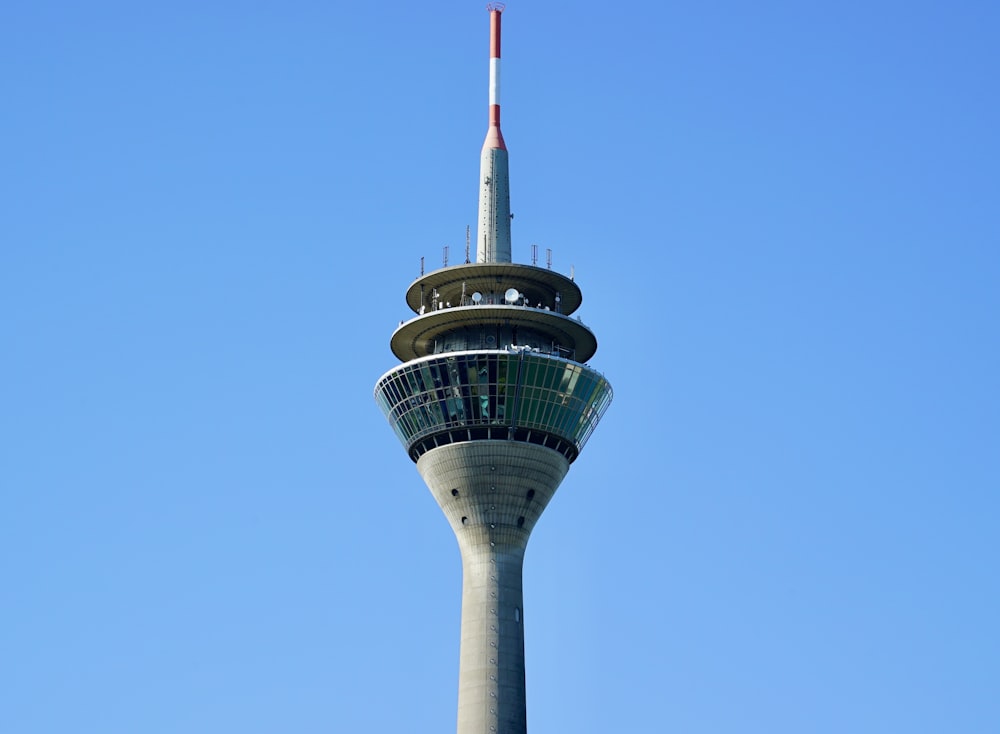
493	236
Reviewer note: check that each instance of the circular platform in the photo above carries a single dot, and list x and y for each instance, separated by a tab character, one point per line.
491	281
416	338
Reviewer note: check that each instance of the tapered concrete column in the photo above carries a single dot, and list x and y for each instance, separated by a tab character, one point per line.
492	493
491	694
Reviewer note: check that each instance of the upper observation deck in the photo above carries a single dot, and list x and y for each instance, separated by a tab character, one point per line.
491	306
458	284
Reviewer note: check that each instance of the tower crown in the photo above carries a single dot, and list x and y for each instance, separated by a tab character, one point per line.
493	350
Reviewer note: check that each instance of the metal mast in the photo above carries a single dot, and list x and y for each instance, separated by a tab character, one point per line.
493	237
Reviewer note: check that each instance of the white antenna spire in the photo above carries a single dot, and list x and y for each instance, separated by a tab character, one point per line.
493	236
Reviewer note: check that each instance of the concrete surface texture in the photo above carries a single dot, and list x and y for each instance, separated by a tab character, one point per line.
492	493
493	232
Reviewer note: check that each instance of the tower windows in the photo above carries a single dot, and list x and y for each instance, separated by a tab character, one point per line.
471	396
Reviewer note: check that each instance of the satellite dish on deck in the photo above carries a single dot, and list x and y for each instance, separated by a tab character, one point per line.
477	297
511	295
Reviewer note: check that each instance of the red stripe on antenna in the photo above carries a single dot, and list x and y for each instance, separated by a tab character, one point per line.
495	30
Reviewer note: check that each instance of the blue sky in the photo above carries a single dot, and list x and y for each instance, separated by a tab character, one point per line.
784	218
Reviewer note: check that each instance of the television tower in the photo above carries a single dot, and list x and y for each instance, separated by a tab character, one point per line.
493	402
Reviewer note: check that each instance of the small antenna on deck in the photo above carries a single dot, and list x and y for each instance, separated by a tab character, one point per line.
468	242
444	257
548	257
421	265
534	254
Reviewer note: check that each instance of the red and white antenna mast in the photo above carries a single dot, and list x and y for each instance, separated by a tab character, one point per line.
493	137
493	236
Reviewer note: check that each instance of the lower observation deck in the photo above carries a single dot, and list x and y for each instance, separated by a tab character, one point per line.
496	394
416	337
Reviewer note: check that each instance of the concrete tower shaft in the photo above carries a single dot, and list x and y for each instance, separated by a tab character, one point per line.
492	493
493	231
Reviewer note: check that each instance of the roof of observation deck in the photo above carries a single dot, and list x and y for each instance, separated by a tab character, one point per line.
493	277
